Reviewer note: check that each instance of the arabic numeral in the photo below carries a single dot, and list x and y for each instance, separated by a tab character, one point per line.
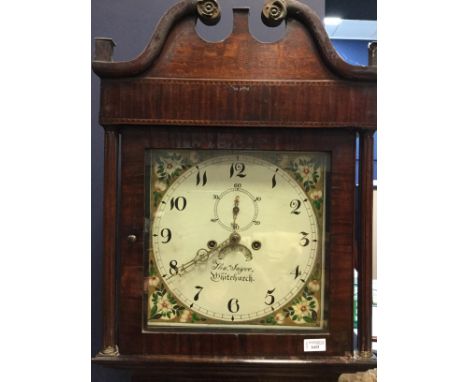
166	234
201	178
173	270
273	180
297	272
233	305
269	298
304	240
295	205
237	169
179	203
195	298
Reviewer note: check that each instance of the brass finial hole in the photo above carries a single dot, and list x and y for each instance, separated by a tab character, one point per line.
212	244
256	245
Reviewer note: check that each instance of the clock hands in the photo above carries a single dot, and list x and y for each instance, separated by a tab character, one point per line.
235	213
201	257
234	245
230	244
234	238
233	241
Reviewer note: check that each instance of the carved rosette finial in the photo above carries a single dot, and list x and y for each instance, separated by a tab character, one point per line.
208	11
274	12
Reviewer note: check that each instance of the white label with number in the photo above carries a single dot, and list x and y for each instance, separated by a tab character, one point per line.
316	344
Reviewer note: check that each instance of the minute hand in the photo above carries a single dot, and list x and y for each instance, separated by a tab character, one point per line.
202	256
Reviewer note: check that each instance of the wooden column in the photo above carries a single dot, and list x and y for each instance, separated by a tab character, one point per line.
109	340
365	244
372	53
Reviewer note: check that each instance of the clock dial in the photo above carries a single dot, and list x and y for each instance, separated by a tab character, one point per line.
235	240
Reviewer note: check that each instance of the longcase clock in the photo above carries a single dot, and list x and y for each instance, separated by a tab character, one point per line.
230	229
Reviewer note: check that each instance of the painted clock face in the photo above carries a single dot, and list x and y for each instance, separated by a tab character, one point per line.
236	239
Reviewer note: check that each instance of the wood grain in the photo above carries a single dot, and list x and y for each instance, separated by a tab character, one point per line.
339	252
365	243
109	340
183	92
239	82
306	39
277	103
194	368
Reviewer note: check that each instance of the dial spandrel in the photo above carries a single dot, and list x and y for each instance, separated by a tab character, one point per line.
237	239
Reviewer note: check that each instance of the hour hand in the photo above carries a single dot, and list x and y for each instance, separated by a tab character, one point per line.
235	212
234	245
235	209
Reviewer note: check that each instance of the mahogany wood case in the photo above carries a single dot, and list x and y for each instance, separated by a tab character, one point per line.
184	92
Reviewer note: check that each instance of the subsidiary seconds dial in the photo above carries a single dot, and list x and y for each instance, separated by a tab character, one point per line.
235	238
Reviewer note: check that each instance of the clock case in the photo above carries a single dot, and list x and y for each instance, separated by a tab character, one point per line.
182	92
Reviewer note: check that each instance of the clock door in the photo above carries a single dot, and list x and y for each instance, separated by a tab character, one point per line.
185	279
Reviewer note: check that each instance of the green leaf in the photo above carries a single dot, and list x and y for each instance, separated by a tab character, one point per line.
161	291
178	309
317	203
152	270
153	311
307	319
270	320
160	171
155	198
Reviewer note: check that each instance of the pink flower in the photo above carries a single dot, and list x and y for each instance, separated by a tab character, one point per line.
314	286
316	195
186	316
164	306
279	317
151	281
160	186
